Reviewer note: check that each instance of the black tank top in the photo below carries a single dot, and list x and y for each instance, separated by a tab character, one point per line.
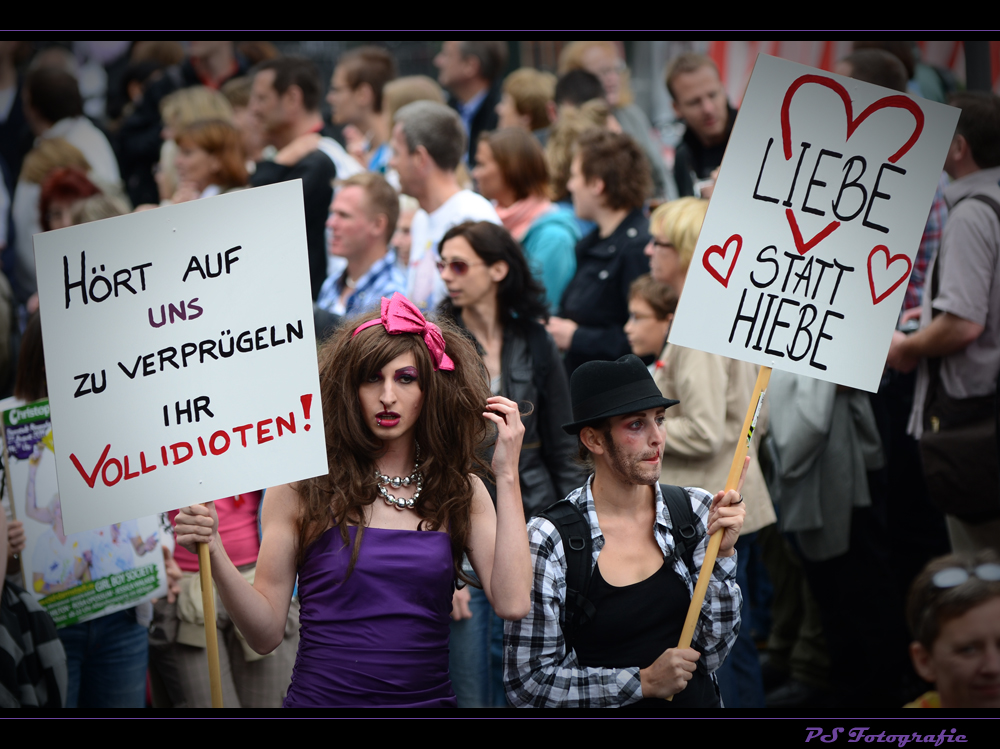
634	625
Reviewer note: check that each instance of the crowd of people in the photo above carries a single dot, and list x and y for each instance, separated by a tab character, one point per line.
495	260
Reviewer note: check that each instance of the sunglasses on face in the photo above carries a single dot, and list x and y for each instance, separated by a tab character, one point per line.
457	267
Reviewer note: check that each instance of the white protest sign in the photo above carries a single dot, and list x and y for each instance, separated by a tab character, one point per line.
814	224
180	355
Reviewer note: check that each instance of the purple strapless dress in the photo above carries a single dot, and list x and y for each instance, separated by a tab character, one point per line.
380	639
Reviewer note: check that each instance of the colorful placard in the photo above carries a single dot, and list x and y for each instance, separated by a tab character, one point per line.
76	576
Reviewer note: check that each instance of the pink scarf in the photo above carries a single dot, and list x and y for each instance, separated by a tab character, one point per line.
518	217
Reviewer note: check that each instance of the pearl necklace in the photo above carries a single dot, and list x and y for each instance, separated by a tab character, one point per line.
395	482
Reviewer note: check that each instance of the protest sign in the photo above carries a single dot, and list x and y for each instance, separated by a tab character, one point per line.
180	355
83	575
810	237
814	224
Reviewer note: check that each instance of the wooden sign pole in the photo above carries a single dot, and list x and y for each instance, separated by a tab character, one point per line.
211	639
749	423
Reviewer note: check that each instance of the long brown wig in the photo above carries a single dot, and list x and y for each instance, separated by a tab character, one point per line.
450	428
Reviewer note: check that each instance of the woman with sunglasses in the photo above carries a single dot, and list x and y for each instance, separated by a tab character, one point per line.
377	543
492	294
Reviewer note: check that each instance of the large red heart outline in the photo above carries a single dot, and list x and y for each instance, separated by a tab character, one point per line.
897	101
722	252
890	260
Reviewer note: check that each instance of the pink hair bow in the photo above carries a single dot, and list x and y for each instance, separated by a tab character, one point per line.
400	315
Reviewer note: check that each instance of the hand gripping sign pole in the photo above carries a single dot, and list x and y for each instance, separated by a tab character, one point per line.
211	638
732	482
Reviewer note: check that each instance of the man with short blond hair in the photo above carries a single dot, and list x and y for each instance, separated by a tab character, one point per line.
699	100
362	219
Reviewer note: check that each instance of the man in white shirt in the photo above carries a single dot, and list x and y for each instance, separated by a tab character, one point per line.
428	142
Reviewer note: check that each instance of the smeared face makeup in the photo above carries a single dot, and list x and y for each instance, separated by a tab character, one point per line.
392	398
634	446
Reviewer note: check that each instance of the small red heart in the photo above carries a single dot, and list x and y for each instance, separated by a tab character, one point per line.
889	260
723	251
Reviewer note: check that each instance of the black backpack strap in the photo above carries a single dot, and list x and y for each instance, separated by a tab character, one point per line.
684	525
575	533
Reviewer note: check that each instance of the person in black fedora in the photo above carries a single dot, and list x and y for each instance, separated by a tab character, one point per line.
615	565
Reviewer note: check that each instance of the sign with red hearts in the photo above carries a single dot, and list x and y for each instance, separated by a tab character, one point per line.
814	224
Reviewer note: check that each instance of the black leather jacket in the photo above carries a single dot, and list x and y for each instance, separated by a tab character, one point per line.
547	469
546	466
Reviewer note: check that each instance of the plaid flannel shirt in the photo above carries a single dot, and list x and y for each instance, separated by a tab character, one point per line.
930	242
383	279
539	670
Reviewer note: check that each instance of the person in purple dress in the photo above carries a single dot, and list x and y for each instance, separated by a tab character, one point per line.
377	543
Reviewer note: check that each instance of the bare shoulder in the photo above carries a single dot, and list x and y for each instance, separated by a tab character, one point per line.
481	500
280	518
281	510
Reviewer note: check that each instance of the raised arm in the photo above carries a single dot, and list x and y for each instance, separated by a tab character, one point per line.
259	610
498	539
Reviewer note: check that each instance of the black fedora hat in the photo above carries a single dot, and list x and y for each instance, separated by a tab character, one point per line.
600	389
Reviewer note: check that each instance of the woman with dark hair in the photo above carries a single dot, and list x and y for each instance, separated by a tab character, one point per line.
511	171
209	160
492	294
377	543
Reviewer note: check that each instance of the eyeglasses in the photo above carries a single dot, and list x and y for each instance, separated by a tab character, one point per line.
457	267
952	577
